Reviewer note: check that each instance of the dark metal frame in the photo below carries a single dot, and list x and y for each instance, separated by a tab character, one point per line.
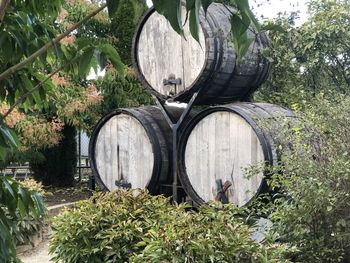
176	129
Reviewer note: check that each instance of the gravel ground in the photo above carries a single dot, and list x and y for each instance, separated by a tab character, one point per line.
39	255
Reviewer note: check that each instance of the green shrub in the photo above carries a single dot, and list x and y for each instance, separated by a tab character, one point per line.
213	234
17	204
26	227
313	213
126	226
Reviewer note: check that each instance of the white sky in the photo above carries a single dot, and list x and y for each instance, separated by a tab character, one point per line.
270	9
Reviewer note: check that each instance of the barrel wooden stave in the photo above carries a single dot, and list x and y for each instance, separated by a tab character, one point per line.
240	139
133	146
211	65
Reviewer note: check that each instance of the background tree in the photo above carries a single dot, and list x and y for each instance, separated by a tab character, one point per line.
311	58
123	26
59	166
27	63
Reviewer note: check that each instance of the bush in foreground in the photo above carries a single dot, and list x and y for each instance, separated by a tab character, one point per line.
129	226
17	204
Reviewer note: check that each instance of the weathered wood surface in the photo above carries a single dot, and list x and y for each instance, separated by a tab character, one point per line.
162	52
219	147
222	141
159	51
134	146
124	152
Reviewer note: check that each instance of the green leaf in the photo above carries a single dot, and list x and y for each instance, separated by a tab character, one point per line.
26	82
273	27
245	46
85	61
7	188
244	10
39	204
194	20
24	196
172	12
21	208
239	25
190	4
111	53
9	136
241	42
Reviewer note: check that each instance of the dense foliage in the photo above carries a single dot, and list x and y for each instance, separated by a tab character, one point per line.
27	227
114	90
312	212
311	75
20	203
59	164
127	226
123	26
311	58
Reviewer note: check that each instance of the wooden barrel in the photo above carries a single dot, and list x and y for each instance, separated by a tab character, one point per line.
131	148
161	57
221	141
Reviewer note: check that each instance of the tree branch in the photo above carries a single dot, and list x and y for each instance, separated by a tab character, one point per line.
27	94
43	49
3	6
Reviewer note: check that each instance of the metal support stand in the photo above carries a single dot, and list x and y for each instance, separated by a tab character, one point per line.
79	153
176	129
92	184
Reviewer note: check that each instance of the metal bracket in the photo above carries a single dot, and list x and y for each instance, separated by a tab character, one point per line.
221	191
92	185
172	80
176	127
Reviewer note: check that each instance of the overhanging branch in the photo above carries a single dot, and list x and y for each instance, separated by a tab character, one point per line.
49	45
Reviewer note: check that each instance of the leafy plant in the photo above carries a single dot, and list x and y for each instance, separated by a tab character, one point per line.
130	226
310	208
15	202
123	26
311	58
240	20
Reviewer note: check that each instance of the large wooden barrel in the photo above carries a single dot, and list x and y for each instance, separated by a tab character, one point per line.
131	148
161	56
221	141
